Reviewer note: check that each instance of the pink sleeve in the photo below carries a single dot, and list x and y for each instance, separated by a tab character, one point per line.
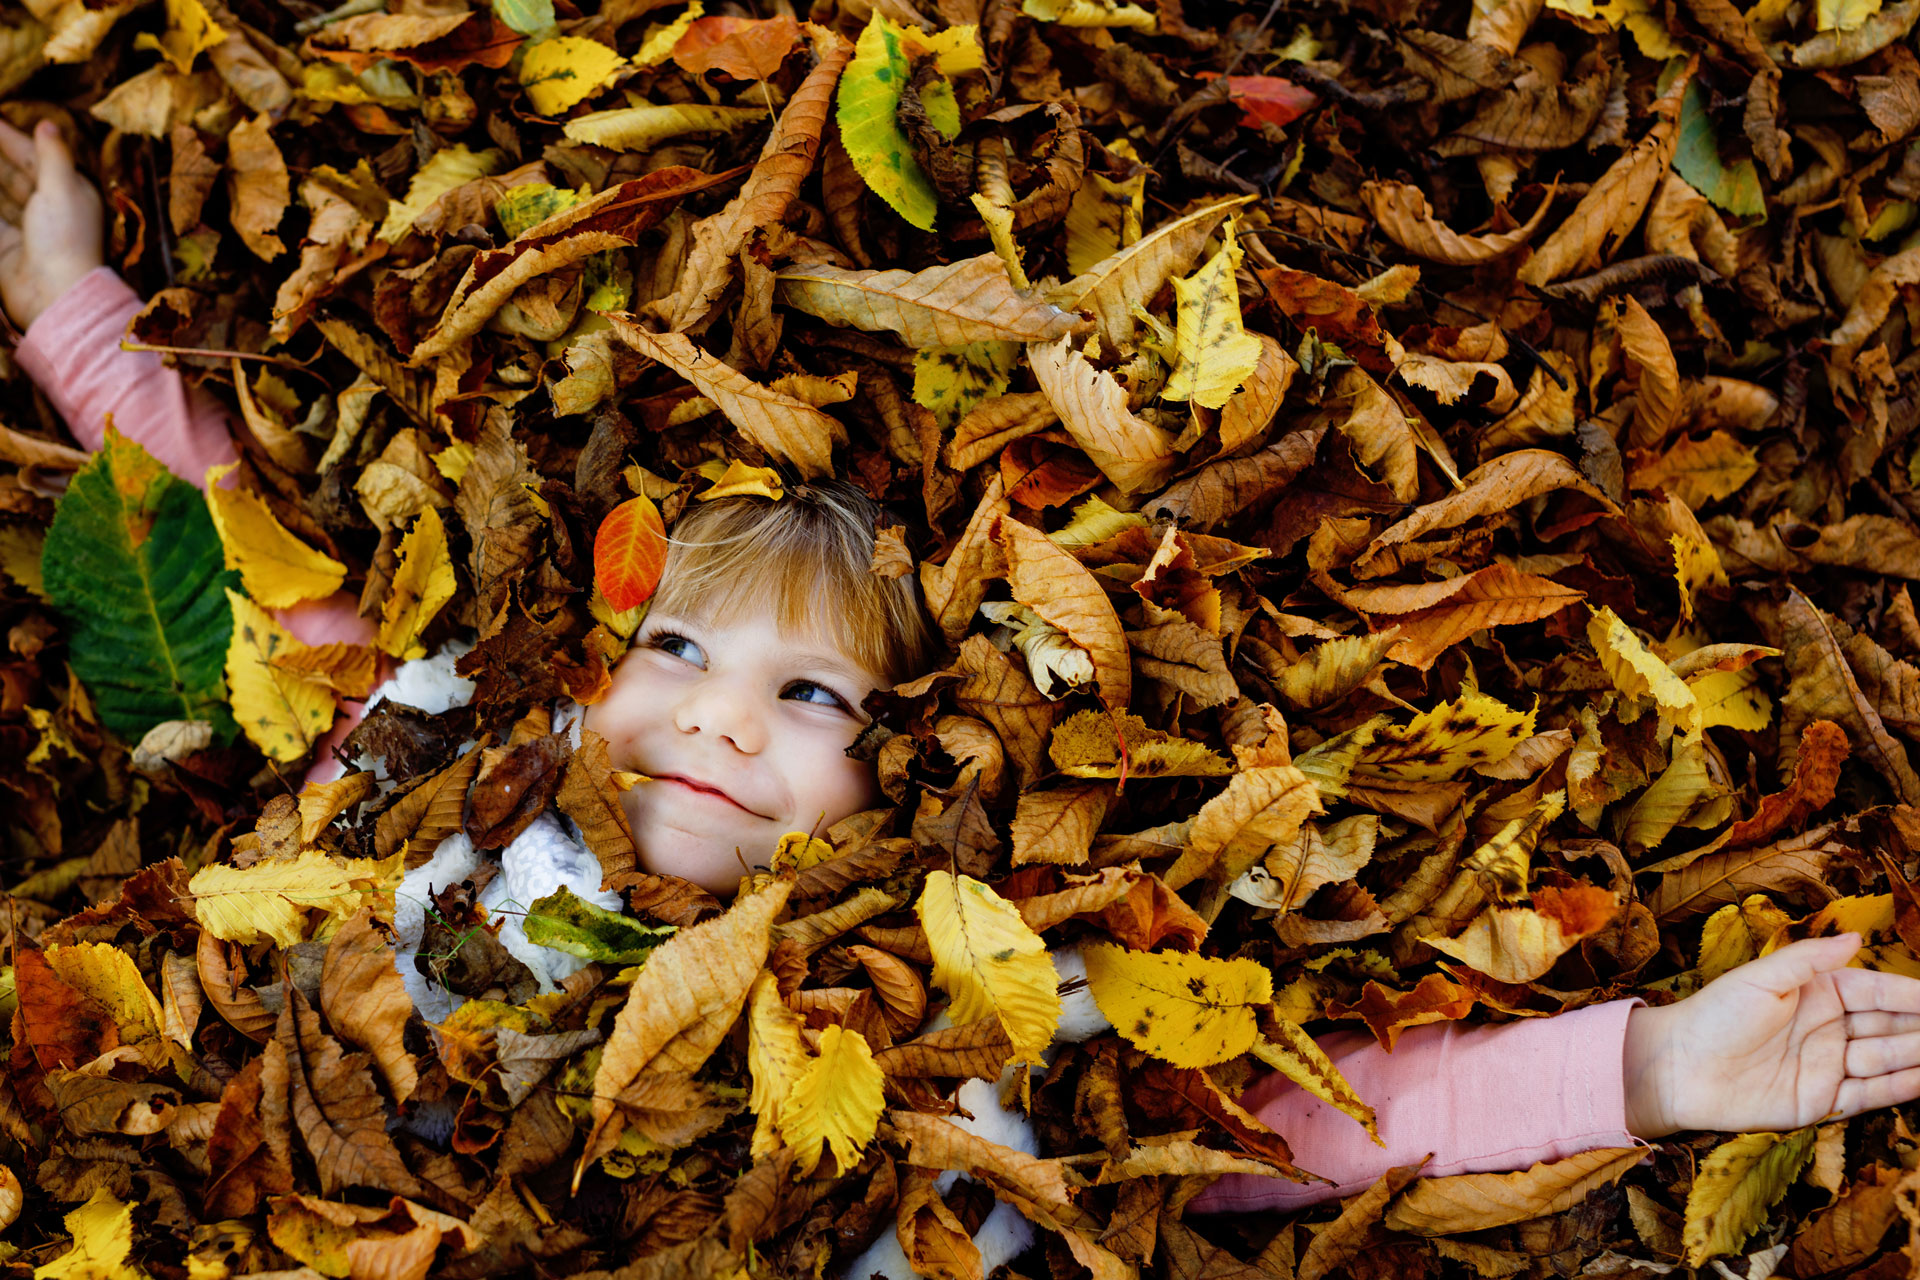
1482	1099
73	352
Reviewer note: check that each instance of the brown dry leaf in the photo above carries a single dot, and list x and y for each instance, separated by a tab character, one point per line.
790	429
1059	588
1495	486
335	1106
1519	944
1824	688
1477	1201
971	300
258	186
366	1002
684	1001
1611	209
1405	217
590	795
1430	618
1129	451
1260	808
1659	402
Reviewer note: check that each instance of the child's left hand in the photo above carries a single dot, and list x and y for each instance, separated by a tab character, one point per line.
50	221
1782	1042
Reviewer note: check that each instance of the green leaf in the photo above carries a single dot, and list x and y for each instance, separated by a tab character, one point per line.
1696	158
869	100
528	17
567	922
133	563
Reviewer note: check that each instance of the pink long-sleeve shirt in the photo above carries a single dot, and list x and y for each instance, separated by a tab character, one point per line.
72	351
1481	1099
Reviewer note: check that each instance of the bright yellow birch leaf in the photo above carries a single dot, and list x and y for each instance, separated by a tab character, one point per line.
277	569
1190	1010
1214	352
107	974
1297	1057
1103	219
867	109
737	478
1638	16
190	29
450	167
776	1060
1092	13
660	40
1638	673
102	1231
1735	1187
1446	741
1734	934
1696	564
422	584
271	899
281	712
567	70
1733	699
837	1103
646	127
990	963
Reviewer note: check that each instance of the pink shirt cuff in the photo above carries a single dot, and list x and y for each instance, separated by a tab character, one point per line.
1483	1099
73	352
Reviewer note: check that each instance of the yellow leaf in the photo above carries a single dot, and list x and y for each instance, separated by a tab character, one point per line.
1446	741
566	70
1733	699
776	1059
1305	1063
1086	745
1110	288
1680	796
1190	1010
450	167
107	974
1696	564
1735	1187
990	963
660	40
1734	935
1260	808
837	1103
1518	944
282	712
422	583
1214	352
999	222
646	127
1103	219
1092	13
738	478
190	29
1504	860
1637	673
102	1231
1697	471
1828	15
277	569
271	899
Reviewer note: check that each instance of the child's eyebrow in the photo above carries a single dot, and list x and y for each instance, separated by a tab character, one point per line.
828	661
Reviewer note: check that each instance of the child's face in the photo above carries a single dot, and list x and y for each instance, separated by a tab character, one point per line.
742	730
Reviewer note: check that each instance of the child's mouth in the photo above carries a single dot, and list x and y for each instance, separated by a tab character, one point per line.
702	789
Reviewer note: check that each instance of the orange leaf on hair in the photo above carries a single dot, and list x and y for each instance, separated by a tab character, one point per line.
629	552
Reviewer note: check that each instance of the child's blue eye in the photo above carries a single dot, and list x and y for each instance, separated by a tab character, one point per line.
818	694
679	646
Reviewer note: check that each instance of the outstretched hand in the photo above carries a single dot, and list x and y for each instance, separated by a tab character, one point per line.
50	221
1782	1042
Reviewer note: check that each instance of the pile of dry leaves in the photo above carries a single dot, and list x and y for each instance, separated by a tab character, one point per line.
1419	498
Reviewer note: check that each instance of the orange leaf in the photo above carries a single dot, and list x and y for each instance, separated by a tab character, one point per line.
629	552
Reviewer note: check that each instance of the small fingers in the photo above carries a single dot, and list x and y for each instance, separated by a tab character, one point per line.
1862	1026
53	161
1882	1054
15	146
1858	1096
1870	991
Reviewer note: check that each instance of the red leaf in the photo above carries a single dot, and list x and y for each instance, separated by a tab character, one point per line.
1269	99
629	552
744	48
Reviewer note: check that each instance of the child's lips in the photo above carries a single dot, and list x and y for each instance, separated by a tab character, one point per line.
695	787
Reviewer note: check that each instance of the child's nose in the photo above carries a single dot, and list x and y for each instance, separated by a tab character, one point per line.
724	708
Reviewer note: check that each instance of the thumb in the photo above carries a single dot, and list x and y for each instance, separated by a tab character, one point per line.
53	161
1792	966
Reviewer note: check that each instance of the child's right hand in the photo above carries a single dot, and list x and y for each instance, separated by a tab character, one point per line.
1782	1042
50	221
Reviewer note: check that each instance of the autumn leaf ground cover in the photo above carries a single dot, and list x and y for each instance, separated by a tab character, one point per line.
1419	498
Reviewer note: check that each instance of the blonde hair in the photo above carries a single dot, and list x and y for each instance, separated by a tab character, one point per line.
809	553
